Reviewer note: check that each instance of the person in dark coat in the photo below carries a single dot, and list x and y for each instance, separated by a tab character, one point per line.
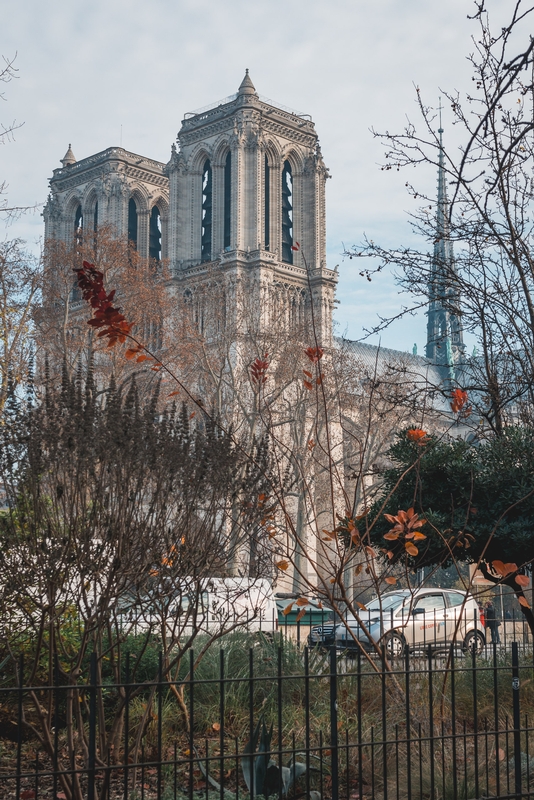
492	622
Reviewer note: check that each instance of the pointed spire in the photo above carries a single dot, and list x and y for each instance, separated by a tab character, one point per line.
68	158
247	87
443	244
445	344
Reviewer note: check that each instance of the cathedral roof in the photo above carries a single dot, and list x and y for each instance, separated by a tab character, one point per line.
68	158
247	87
396	365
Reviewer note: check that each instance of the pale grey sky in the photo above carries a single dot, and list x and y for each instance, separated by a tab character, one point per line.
86	69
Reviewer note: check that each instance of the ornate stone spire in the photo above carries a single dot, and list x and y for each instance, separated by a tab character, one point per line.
247	87
445	344
68	158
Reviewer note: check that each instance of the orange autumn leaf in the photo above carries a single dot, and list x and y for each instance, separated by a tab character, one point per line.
370	552
459	402
523	602
522	580
172	394
411	549
361	606
301	613
106	316
308	374
418	536
307	384
314	354
259	369
391	580
417	435
302	601
287	610
504	569
216	726
392	535
283	565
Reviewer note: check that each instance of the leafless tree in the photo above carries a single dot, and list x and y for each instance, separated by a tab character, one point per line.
117	516
20	284
8	72
489	217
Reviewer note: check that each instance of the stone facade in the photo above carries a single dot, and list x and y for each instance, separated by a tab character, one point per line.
98	190
243	195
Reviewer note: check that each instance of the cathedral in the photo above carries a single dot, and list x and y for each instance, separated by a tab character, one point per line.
243	196
244	190
244	184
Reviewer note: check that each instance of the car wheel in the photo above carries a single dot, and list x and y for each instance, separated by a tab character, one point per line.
474	642
394	644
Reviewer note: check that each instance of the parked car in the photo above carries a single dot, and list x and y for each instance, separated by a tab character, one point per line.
426	618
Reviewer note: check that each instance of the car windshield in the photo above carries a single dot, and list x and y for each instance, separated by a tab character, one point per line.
386	603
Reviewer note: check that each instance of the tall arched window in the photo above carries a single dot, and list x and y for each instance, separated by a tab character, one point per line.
154	239
287	214
132	222
78	225
227	201
267	204
207	208
95	217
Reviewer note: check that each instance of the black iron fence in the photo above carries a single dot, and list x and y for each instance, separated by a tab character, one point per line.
273	719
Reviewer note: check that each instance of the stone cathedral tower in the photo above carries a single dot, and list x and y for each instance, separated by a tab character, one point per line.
114	187
243	195
247	193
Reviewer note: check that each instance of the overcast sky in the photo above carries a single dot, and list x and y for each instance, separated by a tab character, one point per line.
86	69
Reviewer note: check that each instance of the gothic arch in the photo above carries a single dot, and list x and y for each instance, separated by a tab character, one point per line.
90	207
71	206
199	157
90	197
220	151
157	228
296	160
162	204
273	154
72	212
140	197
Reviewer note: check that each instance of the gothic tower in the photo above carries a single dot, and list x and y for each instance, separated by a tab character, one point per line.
121	189
445	345
247	200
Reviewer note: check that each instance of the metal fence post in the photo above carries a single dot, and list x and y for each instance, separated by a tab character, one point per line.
92	730
517	718
19	723
126	722
160	720
333	723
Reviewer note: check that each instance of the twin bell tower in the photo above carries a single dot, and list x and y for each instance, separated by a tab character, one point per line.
242	199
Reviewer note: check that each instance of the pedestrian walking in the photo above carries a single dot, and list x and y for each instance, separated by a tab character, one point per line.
491	622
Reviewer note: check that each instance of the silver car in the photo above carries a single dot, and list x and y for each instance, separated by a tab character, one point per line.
418	620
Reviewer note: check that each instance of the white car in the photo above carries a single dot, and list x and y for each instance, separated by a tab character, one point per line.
418	620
